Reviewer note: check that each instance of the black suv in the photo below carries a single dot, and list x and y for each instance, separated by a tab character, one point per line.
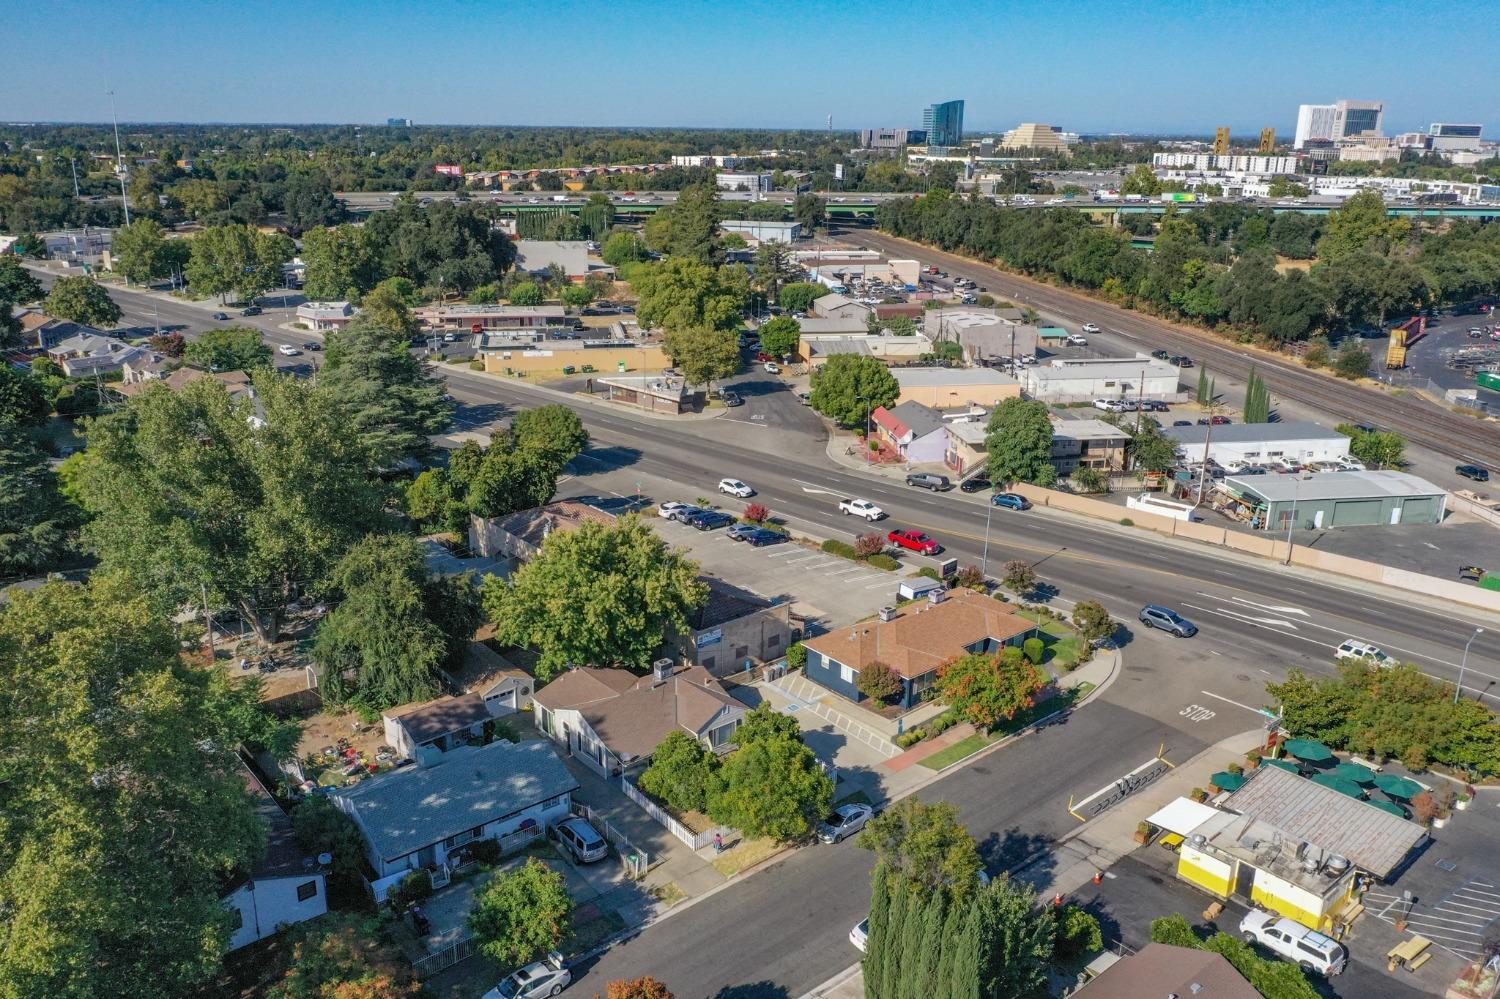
978	483
708	520
1467	471
927	480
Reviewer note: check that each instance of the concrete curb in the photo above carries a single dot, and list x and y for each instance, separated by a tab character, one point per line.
830	984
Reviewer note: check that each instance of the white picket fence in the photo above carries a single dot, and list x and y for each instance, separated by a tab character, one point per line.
695	840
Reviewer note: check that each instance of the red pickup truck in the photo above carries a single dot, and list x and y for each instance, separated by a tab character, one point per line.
914	541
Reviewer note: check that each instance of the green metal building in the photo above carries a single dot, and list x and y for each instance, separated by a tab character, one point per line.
1339	499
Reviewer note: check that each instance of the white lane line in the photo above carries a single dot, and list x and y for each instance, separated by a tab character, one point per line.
1210	693
785	551
1271	607
748	423
843	572
1259	622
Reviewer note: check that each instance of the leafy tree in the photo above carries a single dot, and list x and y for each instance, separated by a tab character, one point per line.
121	750
901	326
522	914
773	268
387	397
1019	441
733	241
1077	934
1282	186
387	306
1141	180
681	772
1090	479
704	355
848	387
924	843
382	645
451	245
879	682
168	344
527	293
228	348
781	336
1019	939
430	502
81	300
1092	621
1296	309
987	689
641	591
1382	449
139	251
17	285
800	295
771	787
644	987
342	262
1352	360
1020	577
36	523
23	399
237	260
810	210
309	201
187	493
320	826
507	479
1152	451
553	431
682	294
344	957
576	296
624	247
1174	931
765	722
1361	223
1271	978
689	228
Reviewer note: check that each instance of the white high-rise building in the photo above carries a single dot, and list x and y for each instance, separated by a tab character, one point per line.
1314	122
1336	122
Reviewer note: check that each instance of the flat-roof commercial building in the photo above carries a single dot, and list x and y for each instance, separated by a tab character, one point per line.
1253	443
984	334
952	388
1082	379
1337	499
764	232
755	182
490	317
891	140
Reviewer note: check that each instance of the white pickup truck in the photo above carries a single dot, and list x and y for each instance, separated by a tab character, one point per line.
861	508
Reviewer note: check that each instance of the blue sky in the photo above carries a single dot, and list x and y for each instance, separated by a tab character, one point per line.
1085	65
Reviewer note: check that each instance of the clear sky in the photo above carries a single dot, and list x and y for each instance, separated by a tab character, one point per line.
1085	65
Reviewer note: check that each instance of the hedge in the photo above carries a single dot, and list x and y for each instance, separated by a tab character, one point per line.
840	548
883	562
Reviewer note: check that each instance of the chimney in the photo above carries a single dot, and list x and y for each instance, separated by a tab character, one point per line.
661	671
887	613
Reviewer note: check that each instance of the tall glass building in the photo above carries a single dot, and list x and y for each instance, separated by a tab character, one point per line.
944	123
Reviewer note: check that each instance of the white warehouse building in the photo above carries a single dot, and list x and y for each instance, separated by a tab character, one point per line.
1081	379
1239	444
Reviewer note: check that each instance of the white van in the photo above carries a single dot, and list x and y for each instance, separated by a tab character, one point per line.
1311	950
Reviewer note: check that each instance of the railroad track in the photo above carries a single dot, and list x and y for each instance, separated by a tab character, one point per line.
1421	422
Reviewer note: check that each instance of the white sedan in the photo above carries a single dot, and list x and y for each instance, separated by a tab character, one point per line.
541	978
670	509
1089	328
772	368
859	936
735	487
287	350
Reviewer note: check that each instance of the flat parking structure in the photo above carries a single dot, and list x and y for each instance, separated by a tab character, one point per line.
1459	922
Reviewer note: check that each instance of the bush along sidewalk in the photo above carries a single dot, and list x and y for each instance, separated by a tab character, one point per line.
843	549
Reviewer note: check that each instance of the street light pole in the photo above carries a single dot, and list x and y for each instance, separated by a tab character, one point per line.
1291	521
984	559
119	158
1464	664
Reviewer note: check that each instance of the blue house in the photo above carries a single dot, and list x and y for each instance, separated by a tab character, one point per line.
914	641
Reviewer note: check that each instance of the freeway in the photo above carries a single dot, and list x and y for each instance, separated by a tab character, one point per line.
1421	422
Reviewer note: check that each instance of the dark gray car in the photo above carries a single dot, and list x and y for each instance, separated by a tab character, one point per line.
1156	616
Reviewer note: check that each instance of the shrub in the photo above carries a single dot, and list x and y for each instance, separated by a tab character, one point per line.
842	549
1126	522
1235	768
969	576
796	655
868	544
874	445
883	562
1034	650
411	890
1092	621
929	572
910	738
475	365
1424	808
1253	757
757	513
1199	794
485	851
1078	933
878	681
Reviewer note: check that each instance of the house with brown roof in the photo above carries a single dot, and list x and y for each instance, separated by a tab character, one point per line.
1164	970
613	720
914	641
285	886
236	382
520	535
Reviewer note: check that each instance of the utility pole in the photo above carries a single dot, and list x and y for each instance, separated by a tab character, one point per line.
74	164
119	158
1292	520
209	615
1208	437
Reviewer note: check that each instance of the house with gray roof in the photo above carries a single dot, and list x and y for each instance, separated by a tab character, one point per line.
417	817
425	732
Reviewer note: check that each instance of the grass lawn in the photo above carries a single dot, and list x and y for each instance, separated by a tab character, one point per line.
1062	640
744	854
587	936
950	755
668	894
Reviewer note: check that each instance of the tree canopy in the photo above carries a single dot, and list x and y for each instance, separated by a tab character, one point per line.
848	387
36	522
924	843
553	431
1019	443
703	355
689	228
81	300
386	395
771	785
682	293
780	336
987	689
344	956
522	914
236	260
228	348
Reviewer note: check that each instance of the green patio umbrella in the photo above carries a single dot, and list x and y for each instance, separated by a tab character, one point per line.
1308	750
1286	765
1339	784
1387	806
1226	781
1357	772
1398	787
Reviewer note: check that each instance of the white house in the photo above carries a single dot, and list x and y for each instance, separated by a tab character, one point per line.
424	732
1253	443
416	817
325	316
764	232
284	888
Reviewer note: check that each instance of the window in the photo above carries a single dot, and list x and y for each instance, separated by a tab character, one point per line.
773	641
307	890
845	673
236	918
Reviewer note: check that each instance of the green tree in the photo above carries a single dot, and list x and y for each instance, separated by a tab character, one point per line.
1078	934
341	262
879	682
1361	223
773	268
681	772
682	294
1352	360
120	750
189	494
308	201
1017	938
1092	621
800	295
1151	451
344	957
924	843
1282	186
506	479
320	826
36	523
520	915
624	247
780	336
576	296
1019	441
1089	479
771	787
384	642
987	689
388	398
81	300
24	399
848	387
1019	577
689	228
810	210
641	591
1141	180
1257	399
527	293
236	260
388	306
17	285
765	722
704	355
1380	449
553	431
229	348
139	251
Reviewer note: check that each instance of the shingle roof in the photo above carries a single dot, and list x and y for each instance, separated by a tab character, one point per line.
922	637
532	526
634	714
425	722
1164	970
409	809
921	420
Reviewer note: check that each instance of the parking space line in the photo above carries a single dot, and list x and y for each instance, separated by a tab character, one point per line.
842	572
786	551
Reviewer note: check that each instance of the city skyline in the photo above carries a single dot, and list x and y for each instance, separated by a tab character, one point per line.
344	63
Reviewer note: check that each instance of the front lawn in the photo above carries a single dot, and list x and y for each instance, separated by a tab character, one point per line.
964	748
745	854
1061	639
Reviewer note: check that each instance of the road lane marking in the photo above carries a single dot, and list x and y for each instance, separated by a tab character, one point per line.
1229	700
1266	622
1269	607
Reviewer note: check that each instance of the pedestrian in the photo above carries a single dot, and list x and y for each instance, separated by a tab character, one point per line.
718	844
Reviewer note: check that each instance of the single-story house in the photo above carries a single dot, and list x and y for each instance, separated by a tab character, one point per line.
1290	845
520	535
1052	337
914	641
734	626
93	353
414	818
424	732
1299	443
1083	378
236	382
536	255
1336	499
1088	444
40	331
151	367
951	388
764	232
286	886
834	306
490	317
1164	970
613	720
915	431
964	448
325	316
653	393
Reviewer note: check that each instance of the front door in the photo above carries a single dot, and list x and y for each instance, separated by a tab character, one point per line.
427	856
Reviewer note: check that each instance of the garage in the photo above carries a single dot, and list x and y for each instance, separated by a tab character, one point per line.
1421	510
1315	501
1355	513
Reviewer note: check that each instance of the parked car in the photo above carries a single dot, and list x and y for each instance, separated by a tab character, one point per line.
763	536
1217	421
580	840
914	541
772	368
671	509
547	977
929	480
1311	950
1180	360
843	822
1473	472
975	484
741	532
287	350
250	310
1075	340
861	508
735	487
805	398
1182	423
221	316
1089	328
1156	616
1109	405
1161	355
1010	501
708	520
1354	649
859	936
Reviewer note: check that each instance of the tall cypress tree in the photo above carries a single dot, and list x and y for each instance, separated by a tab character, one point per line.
1016	940
963	954
888	958
920	974
878	932
1203	386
